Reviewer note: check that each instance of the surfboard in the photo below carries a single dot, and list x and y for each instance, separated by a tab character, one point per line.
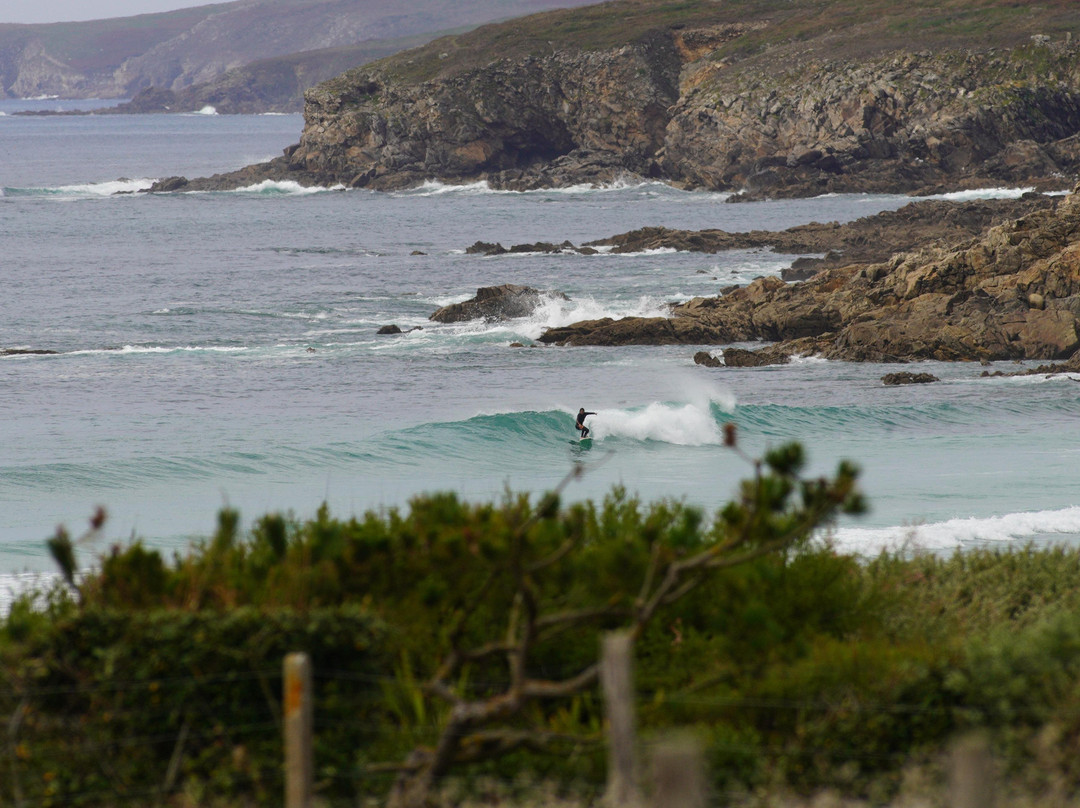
584	443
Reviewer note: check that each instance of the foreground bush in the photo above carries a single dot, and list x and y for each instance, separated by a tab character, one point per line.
111	706
153	681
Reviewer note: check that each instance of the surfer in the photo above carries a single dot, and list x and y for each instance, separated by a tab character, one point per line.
581	422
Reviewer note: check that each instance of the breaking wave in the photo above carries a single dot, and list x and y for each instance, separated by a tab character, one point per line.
954	534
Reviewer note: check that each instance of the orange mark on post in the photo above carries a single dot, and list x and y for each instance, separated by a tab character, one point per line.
294	694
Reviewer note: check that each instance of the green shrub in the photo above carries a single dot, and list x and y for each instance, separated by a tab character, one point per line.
125	706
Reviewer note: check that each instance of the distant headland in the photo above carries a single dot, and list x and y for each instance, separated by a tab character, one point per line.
757	99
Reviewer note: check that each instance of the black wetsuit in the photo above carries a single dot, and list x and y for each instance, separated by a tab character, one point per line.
581	423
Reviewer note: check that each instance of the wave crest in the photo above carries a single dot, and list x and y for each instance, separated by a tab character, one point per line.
286	188
953	534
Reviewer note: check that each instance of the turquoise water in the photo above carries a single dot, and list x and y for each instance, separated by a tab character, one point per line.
221	349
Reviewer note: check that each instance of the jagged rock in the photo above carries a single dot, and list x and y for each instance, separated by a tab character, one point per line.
775	354
707	359
803	269
389	329
741	358
866	240
169	185
25	351
959	302
906	377
631	331
485	248
1070	365
495	303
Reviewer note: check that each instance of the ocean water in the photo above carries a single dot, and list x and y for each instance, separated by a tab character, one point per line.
221	349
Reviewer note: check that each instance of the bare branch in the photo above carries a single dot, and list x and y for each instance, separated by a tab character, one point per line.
491	649
650	574
438	687
540	689
579	616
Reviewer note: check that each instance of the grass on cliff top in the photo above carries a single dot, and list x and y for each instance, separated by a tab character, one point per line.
832	29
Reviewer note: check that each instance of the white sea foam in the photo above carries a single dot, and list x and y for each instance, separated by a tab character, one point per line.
983	193
12	585
207	110
680	424
557	312
436	188
1031	379
1012	528
157	349
689	422
119	186
554	312
286	187
642	253
627	183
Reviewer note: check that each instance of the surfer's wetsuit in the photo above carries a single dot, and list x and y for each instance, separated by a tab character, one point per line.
581	422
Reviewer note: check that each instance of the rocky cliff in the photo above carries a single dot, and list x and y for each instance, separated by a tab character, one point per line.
757	98
541	121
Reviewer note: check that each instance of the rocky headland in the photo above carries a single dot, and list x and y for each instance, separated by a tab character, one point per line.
1012	292
758	98
866	240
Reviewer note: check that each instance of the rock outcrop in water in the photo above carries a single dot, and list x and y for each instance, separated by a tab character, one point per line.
25	352
866	240
763	99
495	303
1012	293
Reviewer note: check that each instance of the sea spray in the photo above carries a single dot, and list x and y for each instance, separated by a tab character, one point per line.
287	188
552	311
695	421
112	188
680	424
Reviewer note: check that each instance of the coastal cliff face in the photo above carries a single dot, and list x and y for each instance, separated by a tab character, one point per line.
743	102
910	121
578	117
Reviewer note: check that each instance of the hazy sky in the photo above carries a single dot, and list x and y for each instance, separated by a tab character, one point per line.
68	10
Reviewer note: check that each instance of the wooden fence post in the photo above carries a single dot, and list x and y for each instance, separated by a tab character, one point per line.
678	773
972	776
298	726
616	678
